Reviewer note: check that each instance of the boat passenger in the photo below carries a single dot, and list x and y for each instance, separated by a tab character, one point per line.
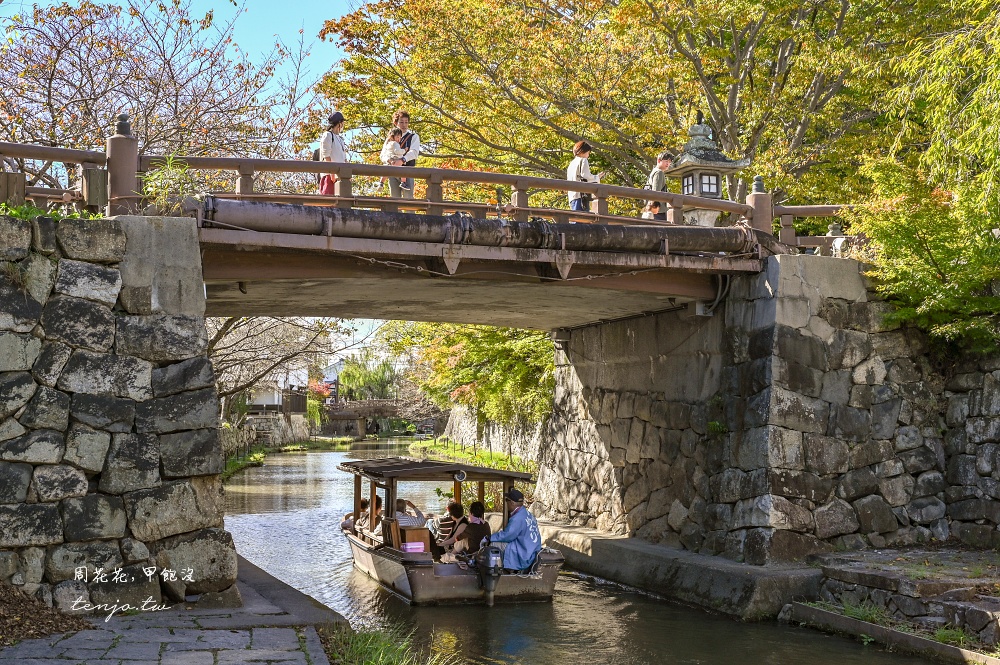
444	526
362	521
404	518
524	541
469	536
456	519
348	523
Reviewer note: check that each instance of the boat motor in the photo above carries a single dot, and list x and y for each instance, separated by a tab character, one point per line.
489	561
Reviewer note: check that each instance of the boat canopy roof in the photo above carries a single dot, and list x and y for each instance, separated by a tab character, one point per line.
405	468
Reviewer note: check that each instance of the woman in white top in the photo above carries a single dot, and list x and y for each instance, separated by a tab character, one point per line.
332	149
579	171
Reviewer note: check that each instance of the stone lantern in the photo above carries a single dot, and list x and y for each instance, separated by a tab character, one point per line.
701	166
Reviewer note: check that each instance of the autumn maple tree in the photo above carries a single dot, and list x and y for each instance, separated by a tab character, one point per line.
796	86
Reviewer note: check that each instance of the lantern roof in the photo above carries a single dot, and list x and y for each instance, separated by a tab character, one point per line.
701	153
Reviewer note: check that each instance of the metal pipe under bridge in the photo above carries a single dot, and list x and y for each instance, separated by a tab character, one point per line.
266	258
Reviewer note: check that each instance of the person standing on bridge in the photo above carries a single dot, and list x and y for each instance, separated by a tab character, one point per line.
410	142
332	149
579	171
657	180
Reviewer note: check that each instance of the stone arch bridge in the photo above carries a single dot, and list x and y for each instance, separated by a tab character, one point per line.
715	391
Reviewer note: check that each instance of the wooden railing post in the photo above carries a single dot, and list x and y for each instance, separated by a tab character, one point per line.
675	214
12	188
600	204
343	188
519	199
763	210
787	232
93	186
435	194
245	184
123	168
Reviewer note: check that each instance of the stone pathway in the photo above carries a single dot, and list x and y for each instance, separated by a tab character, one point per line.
260	632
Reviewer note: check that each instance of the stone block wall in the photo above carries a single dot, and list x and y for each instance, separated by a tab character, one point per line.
109	417
794	421
463	428
635	436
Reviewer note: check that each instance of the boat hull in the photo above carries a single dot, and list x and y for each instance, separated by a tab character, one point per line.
420	581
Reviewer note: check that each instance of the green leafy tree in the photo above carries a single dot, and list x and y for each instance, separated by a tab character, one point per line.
505	375
934	254
931	229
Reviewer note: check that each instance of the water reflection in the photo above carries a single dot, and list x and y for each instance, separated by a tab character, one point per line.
284	517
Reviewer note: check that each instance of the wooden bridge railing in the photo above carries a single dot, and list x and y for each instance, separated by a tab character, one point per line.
117	187
435	204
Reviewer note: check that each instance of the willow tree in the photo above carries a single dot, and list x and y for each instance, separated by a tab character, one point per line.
367	375
933	228
952	103
792	84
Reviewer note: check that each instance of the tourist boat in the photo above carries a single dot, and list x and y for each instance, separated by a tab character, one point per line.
414	575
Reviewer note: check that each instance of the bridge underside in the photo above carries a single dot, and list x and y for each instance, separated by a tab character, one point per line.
280	274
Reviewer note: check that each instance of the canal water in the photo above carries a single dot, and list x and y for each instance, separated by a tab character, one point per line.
285	518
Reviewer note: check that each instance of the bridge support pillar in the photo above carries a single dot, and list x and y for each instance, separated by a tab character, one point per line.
124	195
706	433
134	477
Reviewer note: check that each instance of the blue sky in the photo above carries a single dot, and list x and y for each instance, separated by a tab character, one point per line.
263	20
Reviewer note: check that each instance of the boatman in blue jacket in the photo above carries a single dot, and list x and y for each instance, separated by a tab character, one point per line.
523	539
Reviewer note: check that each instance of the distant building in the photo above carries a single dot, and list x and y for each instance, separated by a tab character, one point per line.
284	392
331	377
331	373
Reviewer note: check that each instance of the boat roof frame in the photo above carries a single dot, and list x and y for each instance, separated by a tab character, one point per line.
383	469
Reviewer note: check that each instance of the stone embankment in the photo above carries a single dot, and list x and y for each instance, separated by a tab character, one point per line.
109	416
793	421
930	590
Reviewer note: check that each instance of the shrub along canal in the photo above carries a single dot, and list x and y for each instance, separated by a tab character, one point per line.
285	518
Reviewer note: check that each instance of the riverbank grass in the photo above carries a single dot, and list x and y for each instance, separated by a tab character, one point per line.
236	464
443	449
450	451
390	646
335	443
